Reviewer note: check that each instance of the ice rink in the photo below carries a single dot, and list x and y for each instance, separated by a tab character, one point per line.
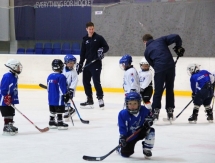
179	142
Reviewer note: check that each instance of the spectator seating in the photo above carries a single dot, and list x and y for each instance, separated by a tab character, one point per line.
56	48
39	48
47	48
20	51
29	51
66	48
76	49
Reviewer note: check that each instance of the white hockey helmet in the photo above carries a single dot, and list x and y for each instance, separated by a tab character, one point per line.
143	62
193	68
14	65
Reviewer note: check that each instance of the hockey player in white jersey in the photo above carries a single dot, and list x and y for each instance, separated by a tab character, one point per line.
131	78
72	81
145	75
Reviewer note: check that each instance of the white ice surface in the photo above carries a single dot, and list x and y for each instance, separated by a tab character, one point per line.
179	142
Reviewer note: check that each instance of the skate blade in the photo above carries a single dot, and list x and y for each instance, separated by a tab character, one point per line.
147	157
211	121
87	107
53	127
102	108
169	120
192	122
9	133
62	128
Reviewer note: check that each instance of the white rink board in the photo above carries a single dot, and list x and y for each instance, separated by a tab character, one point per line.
36	69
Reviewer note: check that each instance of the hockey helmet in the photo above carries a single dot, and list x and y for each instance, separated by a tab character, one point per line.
57	65
133	96
193	68
14	65
125	61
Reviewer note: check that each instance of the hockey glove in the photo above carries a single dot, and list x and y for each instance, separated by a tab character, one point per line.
179	51
100	53
148	122
122	141
70	92
7	100
79	68
193	96
65	98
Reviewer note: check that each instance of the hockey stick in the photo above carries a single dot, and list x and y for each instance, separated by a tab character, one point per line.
41	130
91	158
165	119
83	121
90	63
69	107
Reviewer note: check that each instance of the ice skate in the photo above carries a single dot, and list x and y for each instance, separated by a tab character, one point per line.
156	114
71	113
209	115
9	130
101	103
170	116
193	117
88	104
147	153
52	124
62	126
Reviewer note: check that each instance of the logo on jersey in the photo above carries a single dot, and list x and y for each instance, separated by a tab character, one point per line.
87	42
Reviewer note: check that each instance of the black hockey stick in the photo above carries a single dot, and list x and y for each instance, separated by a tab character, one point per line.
165	119
41	130
91	158
83	121
90	63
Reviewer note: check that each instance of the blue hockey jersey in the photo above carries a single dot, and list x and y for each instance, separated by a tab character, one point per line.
199	79
56	87
8	86
129	123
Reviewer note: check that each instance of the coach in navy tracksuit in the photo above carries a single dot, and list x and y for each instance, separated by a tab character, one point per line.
93	47
160	58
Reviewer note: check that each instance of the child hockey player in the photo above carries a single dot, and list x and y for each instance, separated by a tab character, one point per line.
57	95
202	91
9	95
131	78
145	76
72	81
131	119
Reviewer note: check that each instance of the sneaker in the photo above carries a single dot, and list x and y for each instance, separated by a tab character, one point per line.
52	124
101	103
9	129
62	126
88	104
147	152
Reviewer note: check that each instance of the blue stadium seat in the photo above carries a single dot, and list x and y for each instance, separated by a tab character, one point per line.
56	48
47	48
39	48
76	49
20	51
66	48
29	51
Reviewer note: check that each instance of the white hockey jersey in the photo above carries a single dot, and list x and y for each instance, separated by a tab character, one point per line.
131	80
71	78
145	78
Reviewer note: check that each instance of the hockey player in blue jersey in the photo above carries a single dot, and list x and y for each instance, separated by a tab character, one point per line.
131	119
72	81
9	95
202	91
58	95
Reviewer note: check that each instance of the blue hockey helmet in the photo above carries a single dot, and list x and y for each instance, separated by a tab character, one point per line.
125	61
57	65
69	58
133	96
